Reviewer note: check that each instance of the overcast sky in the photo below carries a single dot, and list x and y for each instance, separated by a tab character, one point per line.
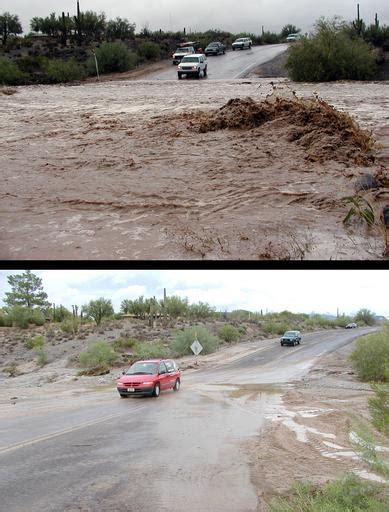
305	291
231	15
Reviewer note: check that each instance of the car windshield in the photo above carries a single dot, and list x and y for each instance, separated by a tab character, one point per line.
290	333
190	59
182	50
213	44
143	369
240	40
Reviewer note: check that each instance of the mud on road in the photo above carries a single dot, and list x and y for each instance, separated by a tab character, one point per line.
118	170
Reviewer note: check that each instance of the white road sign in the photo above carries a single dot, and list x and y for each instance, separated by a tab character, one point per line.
196	347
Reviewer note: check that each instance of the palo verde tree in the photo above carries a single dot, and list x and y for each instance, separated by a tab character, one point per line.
9	25
120	28
27	291
366	316
289	29
98	309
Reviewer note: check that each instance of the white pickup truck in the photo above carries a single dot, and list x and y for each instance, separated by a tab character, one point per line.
181	52
193	65
242	43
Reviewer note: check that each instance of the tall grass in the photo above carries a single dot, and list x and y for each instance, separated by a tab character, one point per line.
350	494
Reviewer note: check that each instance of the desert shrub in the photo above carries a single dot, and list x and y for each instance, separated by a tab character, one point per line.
112	57
151	351
371	357
276	327
41	356
9	72
35	342
70	325
99	357
365	316
37	317
20	316
124	343
149	50
379	407
331	54
229	333
184	339
60	71
5	319
351	493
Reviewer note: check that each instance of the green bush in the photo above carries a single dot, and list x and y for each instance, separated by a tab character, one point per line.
379	407
151	351
99	356
70	325
350	494
37	317
121	344
331	54
111	58
20	316
5	319
184	339
35	342
276	327
149	50
371	357
60	71
41	356
10	74
229	333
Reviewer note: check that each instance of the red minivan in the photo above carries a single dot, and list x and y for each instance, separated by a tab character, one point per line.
149	378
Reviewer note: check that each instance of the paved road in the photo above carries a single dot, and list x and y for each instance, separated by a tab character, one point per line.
184	451
231	65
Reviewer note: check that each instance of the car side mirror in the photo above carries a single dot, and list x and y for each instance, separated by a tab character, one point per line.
123	373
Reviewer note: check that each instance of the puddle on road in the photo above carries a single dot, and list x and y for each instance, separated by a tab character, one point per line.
251	391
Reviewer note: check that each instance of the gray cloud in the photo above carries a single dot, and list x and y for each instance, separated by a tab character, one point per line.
230	15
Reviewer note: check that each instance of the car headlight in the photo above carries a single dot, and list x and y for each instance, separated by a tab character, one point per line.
148	383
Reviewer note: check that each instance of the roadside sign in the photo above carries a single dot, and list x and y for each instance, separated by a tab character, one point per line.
196	347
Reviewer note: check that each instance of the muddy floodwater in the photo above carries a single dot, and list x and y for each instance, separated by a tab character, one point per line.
121	170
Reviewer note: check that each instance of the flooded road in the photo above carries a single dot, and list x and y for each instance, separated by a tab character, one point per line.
86	450
117	171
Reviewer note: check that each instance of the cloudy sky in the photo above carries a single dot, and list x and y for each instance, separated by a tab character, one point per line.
322	291
230	15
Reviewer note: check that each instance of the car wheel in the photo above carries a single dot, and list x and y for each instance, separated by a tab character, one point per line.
205	72
198	75
156	390
123	396
176	386
179	76
282	344
233	49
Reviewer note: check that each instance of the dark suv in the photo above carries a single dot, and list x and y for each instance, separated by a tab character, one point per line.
291	338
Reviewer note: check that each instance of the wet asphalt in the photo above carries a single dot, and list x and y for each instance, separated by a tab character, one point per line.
183	451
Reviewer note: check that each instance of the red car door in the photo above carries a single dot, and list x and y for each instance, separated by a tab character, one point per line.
164	376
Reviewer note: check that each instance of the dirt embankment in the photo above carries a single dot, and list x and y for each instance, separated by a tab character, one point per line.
307	437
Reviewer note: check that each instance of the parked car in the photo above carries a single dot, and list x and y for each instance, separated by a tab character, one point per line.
149	378
193	65
215	48
242	43
352	325
291	338
181	52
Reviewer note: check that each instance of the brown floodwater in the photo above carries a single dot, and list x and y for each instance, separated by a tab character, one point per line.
121	170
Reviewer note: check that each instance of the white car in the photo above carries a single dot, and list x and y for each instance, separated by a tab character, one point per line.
193	65
242	43
181	52
293	37
352	325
